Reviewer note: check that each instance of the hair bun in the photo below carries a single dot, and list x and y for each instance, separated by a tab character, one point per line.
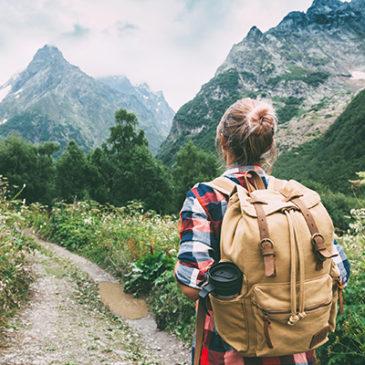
262	118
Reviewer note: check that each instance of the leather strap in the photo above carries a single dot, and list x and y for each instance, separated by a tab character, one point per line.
319	247
266	245
257	183
200	320
340	296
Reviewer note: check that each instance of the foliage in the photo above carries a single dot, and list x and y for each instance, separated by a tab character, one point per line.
124	169
110	236
29	165
347	344
296	73
71	173
145	271
14	275
192	166
36	126
173	311
331	160
290	108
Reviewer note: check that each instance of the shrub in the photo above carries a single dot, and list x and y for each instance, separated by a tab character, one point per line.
347	344
173	311
145	271
14	274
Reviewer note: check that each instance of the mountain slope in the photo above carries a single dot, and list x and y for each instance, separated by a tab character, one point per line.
54	100
309	65
155	116
333	158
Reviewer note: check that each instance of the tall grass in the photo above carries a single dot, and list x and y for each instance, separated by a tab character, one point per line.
15	276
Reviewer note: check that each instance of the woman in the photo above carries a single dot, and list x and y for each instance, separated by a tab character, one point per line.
245	136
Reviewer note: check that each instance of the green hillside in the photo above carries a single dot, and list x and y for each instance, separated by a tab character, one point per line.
333	158
197	113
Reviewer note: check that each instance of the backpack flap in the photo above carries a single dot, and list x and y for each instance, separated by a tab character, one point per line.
274	201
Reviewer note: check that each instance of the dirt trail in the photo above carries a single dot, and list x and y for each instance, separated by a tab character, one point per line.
55	328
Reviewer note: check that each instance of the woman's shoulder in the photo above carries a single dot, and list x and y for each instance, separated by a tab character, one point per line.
204	197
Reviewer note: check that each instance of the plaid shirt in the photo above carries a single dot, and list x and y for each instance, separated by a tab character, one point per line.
201	218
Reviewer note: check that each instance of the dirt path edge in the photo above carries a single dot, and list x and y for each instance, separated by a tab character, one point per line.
170	349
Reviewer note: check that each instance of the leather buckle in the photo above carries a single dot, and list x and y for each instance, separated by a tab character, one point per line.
316	244
268	250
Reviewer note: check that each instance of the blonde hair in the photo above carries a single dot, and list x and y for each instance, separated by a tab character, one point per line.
249	126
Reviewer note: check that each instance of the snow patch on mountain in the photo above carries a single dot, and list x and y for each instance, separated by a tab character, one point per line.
357	75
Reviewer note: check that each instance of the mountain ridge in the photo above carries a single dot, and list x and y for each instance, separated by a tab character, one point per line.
52	94
305	65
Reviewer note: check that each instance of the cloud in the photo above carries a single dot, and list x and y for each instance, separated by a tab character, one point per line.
78	32
124	28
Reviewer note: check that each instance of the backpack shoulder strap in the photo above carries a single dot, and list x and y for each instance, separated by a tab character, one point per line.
223	184
227	187
275	184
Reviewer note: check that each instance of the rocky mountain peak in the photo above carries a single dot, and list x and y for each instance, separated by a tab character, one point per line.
46	56
48	59
48	52
254	34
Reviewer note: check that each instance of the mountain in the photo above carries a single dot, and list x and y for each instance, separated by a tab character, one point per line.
156	115
309	65
54	100
328	162
333	158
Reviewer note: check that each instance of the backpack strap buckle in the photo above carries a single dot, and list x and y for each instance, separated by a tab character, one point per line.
267	247
267	251
320	250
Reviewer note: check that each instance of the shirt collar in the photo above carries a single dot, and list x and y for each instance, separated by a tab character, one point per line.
234	169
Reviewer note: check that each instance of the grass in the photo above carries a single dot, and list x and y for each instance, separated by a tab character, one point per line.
15	276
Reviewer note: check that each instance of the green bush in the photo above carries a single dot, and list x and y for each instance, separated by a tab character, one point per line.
145	271
296	73
109	236
347	344
173	311
14	246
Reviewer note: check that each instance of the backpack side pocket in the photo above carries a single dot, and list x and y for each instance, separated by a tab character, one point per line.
231	321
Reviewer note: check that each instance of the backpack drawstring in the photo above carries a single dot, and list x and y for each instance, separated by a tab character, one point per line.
293	295
295	246
301	313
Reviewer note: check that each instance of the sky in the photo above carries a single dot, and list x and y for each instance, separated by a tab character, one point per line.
172	45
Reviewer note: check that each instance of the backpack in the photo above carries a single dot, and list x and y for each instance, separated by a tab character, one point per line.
281	238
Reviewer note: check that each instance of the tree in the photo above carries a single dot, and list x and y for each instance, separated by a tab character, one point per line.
192	166
26	164
71	173
123	169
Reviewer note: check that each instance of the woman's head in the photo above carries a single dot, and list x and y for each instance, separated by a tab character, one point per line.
246	132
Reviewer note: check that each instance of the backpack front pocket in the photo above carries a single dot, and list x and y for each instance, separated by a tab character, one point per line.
275	335
230	321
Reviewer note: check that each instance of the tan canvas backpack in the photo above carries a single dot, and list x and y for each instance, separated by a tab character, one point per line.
281	238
